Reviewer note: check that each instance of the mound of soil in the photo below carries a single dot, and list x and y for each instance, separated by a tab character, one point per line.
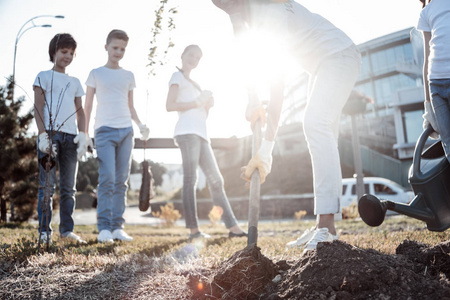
244	275
336	270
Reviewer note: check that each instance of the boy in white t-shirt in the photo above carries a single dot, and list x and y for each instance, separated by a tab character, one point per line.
60	119
333	62
113	87
435	25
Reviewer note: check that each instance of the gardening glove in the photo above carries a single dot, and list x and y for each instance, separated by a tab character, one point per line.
429	119
255	111
204	99
82	140
145	132
90	144
44	144
262	161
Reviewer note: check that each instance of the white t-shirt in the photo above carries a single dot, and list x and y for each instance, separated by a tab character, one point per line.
60	92
308	36
435	18
192	121
111	89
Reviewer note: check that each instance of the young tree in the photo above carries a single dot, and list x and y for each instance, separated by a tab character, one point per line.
18	166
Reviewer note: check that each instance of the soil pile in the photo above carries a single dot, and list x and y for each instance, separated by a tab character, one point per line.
336	270
340	271
244	275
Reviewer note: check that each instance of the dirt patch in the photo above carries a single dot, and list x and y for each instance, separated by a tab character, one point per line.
335	270
244	275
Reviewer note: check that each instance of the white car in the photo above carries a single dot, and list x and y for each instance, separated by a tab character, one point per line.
383	188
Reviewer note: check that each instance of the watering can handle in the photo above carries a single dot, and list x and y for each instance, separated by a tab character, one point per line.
419	149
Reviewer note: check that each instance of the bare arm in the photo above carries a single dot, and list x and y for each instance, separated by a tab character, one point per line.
426	54
90	92
173	105
133	112
39	102
81	120
274	109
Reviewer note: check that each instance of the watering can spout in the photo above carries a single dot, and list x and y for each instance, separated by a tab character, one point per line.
373	210
416	209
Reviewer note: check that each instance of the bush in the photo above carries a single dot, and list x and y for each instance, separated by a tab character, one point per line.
168	214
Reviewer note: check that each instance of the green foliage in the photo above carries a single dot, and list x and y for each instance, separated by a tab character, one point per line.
156	56
87	176
18	166
158	170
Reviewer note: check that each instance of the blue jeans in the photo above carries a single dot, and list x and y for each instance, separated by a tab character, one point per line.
114	147
196	152
66	159
440	99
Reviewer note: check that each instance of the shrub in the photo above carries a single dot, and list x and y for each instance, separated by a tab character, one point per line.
168	214
215	214
300	214
350	212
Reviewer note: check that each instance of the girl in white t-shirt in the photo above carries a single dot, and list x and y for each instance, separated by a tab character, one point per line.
192	104
333	62
435	25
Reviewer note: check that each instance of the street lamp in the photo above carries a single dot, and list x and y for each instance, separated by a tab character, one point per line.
19	35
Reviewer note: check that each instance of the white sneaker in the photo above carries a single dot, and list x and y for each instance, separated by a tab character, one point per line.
303	239
105	237
119	234
72	236
43	237
320	235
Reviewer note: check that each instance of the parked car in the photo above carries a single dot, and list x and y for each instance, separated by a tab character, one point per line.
381	187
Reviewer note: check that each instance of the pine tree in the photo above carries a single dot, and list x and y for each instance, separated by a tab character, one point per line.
18	163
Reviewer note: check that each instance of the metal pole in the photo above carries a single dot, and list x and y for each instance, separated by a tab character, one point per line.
19	35
255	190
357	159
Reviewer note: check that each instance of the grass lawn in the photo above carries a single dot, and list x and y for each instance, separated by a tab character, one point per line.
156	263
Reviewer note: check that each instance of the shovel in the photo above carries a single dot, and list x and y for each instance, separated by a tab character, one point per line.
255	190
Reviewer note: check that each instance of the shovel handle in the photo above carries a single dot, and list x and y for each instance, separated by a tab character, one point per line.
255	190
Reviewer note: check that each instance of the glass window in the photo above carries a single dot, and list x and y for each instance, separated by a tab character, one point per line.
385	60
382	189
366	189
412	122
386	86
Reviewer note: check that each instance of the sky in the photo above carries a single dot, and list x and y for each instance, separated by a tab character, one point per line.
197	22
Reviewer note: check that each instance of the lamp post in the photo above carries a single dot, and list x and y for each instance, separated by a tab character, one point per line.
13	80
356	104
19	35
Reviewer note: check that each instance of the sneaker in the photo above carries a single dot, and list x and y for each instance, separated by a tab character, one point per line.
233	235
198	235
105	237
44	236
303	239
121	235
72	236
320	235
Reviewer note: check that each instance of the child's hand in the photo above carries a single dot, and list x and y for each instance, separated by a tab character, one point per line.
44	144
82	140
204	98
145	132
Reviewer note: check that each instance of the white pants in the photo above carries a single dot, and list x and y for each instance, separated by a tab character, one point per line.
329	89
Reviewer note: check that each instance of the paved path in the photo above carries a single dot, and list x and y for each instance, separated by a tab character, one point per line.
133	216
